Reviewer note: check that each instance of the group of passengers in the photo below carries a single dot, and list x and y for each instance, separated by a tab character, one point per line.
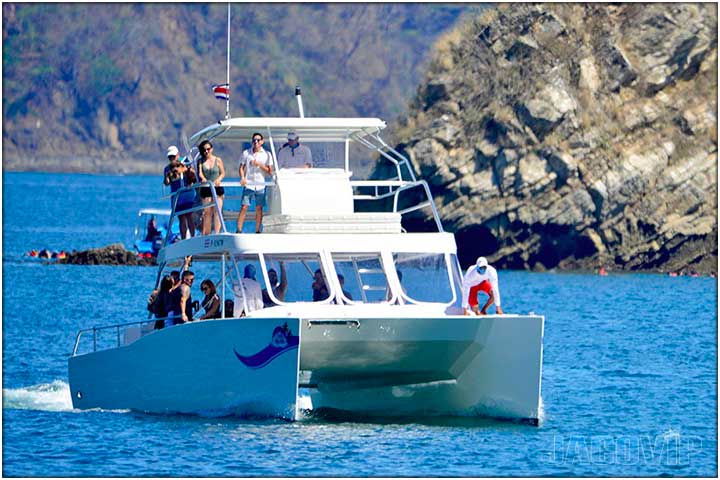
253	297
172	302
255	169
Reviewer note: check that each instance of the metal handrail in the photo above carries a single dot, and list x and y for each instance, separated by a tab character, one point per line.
173	212
116	326
213	204
395	188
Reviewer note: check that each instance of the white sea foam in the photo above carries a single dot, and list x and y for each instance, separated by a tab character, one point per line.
51	397
541	412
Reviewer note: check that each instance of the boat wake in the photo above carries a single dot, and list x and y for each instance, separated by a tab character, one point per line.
50	397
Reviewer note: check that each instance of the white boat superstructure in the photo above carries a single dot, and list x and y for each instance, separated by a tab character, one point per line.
385	335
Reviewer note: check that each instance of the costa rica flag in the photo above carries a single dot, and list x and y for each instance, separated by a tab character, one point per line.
222	91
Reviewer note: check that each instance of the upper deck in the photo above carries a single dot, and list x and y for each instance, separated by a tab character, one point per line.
328	199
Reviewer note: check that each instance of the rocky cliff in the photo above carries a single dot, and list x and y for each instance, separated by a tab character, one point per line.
574	136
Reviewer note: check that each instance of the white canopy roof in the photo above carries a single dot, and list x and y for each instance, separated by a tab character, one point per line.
309	129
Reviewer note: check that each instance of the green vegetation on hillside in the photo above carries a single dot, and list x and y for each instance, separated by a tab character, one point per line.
112	80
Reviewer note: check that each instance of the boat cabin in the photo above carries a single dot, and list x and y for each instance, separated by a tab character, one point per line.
322	224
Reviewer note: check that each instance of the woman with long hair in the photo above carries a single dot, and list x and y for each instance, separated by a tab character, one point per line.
161	304
211	302
211	169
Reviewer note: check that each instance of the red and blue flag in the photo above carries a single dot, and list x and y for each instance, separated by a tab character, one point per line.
222	92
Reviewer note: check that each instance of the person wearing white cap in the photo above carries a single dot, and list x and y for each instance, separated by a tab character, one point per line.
481	276
179	174
294	155
173	156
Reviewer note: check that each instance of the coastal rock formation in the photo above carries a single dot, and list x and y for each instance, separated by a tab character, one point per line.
114	254
574	136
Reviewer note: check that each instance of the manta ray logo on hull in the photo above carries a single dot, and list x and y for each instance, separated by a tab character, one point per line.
282	340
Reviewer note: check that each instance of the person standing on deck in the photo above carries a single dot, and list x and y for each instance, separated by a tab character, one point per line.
211	170
182	177
481	276
255	166
184	305
294	155
173	156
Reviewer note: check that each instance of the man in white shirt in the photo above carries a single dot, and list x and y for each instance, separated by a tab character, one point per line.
255	167
251	291
481	276
294	155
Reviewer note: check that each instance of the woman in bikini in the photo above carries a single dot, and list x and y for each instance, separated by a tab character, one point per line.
211	170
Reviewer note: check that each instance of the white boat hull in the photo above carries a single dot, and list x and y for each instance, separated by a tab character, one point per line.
193	368
460	365
449	365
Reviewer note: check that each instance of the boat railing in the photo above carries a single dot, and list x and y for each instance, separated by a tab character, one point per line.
229	186
391	189
373	141
117	327
399	196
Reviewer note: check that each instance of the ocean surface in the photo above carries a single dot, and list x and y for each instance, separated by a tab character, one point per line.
629	381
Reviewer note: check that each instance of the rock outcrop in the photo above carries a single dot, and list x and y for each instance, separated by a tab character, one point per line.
574	136
114	254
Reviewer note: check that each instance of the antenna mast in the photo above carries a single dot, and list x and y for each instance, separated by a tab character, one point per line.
227	80
298	97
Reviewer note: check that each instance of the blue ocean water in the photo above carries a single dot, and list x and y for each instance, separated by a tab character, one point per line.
629	377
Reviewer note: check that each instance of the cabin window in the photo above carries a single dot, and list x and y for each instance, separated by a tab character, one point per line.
424	277
362	277
300	272
247	267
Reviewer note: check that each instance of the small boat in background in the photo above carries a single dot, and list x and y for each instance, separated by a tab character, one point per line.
151	229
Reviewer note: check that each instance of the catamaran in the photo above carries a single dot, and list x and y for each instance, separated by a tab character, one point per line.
387	335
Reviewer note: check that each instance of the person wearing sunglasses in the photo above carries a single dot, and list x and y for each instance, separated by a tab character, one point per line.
211	170
173	156
255	167
481	277
183	297
211	302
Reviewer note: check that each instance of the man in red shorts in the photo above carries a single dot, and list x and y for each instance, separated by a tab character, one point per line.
481	277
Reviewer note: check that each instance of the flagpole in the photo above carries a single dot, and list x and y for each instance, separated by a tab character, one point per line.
227	102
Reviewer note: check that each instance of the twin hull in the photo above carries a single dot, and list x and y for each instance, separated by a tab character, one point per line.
454	365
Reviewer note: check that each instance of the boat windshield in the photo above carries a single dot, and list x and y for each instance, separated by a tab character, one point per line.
301	276
362	277
324	154
424	277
